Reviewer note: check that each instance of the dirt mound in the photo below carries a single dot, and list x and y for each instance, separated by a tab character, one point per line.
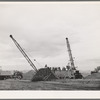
28	75
44	74
93	76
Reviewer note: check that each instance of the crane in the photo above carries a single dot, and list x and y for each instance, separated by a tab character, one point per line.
72	69
70	55
24	54
72	65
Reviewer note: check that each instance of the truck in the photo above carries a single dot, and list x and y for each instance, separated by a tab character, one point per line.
10	75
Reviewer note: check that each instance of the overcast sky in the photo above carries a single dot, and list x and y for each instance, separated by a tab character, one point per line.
41	28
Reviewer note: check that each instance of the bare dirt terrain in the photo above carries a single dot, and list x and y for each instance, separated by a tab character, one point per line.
68	84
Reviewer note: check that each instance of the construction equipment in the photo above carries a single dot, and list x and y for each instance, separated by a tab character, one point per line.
42	74
17	75
96	70
24	54
70	55
73	73
10	75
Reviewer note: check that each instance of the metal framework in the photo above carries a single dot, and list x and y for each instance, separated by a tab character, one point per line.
70	55
24	54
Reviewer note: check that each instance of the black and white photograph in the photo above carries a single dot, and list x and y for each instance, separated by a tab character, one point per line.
50	46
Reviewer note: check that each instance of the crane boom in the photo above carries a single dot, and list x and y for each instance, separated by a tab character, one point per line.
24	54
70	54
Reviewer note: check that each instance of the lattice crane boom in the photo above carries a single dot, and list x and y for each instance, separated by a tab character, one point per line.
24	54
70	54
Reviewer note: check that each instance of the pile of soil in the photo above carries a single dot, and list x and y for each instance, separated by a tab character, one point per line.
44	74
28	75
93	76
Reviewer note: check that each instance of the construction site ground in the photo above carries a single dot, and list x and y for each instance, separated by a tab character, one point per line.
64	84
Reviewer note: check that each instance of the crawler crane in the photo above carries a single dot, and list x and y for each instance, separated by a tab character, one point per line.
73	73
42	74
